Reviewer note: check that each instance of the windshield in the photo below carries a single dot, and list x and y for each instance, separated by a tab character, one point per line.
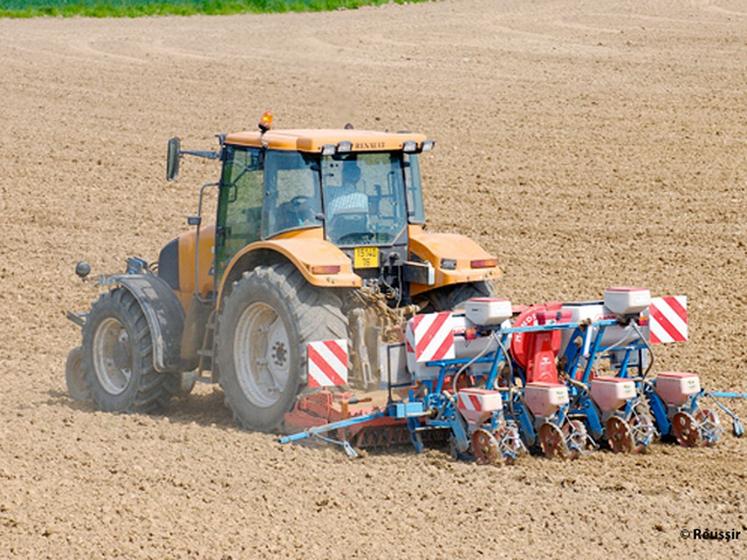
364	198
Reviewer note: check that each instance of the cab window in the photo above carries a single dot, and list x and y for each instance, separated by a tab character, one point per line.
239	203
292	192
415	210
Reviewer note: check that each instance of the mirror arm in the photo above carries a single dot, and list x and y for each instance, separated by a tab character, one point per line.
200	153
175	153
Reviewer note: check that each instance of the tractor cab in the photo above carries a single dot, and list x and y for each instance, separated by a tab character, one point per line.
358	190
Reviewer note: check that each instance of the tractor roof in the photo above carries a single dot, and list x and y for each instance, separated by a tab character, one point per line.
313	140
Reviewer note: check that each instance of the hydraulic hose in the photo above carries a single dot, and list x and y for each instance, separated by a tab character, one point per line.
648	347
508	358
472	361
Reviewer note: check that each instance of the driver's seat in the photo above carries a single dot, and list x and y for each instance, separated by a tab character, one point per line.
350	202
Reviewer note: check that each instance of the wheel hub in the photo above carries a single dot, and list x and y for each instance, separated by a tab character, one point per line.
112	356
279	354
262	354
121	351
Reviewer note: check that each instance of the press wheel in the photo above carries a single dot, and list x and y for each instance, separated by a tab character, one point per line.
509	443
710	425
643	430
577	438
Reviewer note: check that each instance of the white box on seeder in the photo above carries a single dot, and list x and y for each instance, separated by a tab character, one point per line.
627	301
487	311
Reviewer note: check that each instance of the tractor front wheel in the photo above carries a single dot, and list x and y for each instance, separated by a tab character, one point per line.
264	326
451	297
75	375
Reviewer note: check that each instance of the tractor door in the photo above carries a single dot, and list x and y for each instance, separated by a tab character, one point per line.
239	204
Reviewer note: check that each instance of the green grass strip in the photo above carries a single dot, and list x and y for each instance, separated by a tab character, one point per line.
137	8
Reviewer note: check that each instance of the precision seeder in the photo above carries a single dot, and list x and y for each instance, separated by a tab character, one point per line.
558	379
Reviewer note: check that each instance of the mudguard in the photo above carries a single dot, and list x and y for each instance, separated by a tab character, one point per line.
164	314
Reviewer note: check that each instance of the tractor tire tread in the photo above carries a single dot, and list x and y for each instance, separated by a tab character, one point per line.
151	394
451	297
315	313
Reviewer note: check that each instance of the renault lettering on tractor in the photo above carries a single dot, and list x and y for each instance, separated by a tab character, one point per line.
320	235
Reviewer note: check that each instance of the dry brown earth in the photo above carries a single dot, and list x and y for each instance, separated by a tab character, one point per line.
586	143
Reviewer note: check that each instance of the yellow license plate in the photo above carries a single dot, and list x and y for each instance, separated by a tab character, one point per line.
366	257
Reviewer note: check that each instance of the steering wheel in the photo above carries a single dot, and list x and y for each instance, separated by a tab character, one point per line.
299	200
299	207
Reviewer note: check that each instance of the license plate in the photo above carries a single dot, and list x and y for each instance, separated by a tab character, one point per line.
366	257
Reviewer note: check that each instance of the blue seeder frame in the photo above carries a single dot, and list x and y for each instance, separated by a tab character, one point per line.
433	408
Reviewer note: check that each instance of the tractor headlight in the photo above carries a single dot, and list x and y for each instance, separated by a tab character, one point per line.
428	145
329	149
410	147
344	147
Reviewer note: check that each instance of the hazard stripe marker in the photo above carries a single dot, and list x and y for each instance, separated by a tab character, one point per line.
327	363
430	336
668	319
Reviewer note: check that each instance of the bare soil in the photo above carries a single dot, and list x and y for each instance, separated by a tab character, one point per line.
585	143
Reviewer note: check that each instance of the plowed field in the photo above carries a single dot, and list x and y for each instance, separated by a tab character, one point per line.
584	143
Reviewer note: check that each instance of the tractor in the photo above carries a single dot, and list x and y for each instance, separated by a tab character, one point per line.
319	235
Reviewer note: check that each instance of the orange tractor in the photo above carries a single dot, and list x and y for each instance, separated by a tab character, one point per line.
319	235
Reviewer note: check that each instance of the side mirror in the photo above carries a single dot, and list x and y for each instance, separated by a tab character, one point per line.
172	159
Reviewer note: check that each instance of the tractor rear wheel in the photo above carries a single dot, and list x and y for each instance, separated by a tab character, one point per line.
264	326
451	297
118	356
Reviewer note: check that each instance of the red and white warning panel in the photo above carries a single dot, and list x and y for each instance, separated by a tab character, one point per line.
431	336
667	319
428	337
327	364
